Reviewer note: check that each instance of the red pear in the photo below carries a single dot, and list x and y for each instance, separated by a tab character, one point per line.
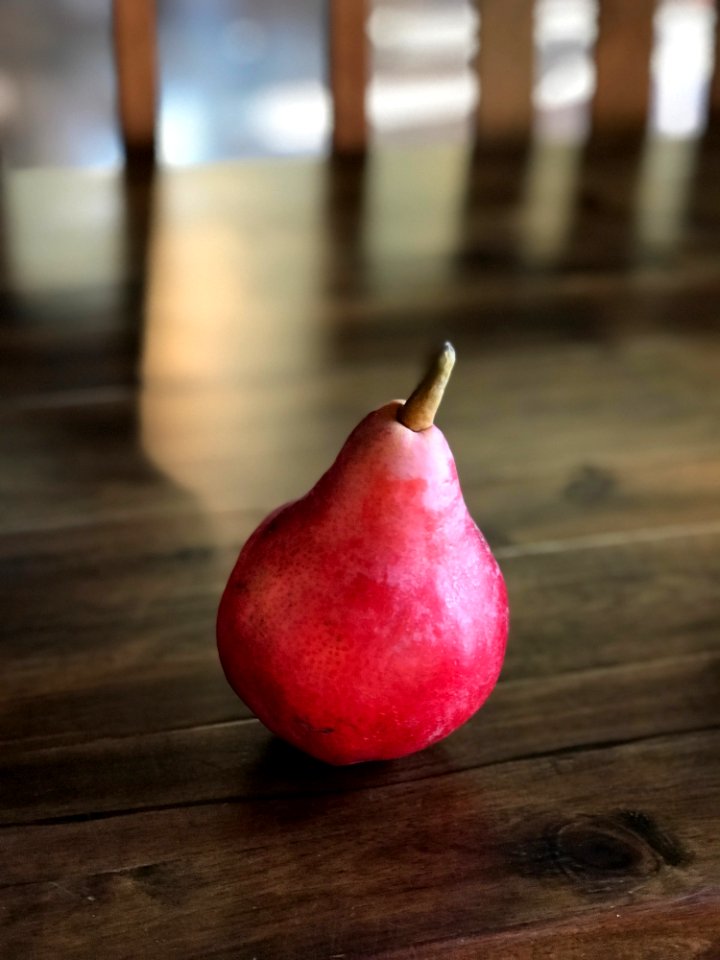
369	619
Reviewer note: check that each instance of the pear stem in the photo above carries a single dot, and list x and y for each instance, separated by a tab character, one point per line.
418	411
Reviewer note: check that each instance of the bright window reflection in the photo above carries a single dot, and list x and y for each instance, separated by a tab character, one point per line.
681	67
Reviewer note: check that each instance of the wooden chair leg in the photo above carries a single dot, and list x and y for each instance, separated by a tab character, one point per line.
622	53
506	68
348	57
135	43
714	92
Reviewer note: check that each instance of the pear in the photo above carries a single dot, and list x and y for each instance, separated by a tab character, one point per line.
369	619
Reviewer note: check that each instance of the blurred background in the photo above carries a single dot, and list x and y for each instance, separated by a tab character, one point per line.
248	297
247	78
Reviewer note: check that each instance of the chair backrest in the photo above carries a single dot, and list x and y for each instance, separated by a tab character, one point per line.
623	53
505	65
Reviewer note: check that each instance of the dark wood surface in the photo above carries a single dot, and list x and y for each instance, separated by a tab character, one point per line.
181	354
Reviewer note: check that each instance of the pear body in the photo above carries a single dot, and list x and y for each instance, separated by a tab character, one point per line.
368	619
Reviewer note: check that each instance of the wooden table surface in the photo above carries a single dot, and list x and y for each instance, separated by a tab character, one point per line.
180	355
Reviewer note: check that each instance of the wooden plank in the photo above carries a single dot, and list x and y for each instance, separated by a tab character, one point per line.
151	594
587	490
348	55
135	40
506	68
689	928
149	587
156	662
76	343
148	677
622	55
539	455
240	760
501	850
249	763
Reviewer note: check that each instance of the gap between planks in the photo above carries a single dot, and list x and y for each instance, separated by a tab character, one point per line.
602	541
91	816
710	657
595	541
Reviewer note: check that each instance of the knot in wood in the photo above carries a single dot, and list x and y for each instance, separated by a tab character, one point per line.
599	850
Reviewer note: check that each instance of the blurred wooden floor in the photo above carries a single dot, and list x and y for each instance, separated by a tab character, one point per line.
179	356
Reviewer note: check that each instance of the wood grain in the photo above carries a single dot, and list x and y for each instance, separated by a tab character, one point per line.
221	761
139	656
486	850
531	465
689	928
